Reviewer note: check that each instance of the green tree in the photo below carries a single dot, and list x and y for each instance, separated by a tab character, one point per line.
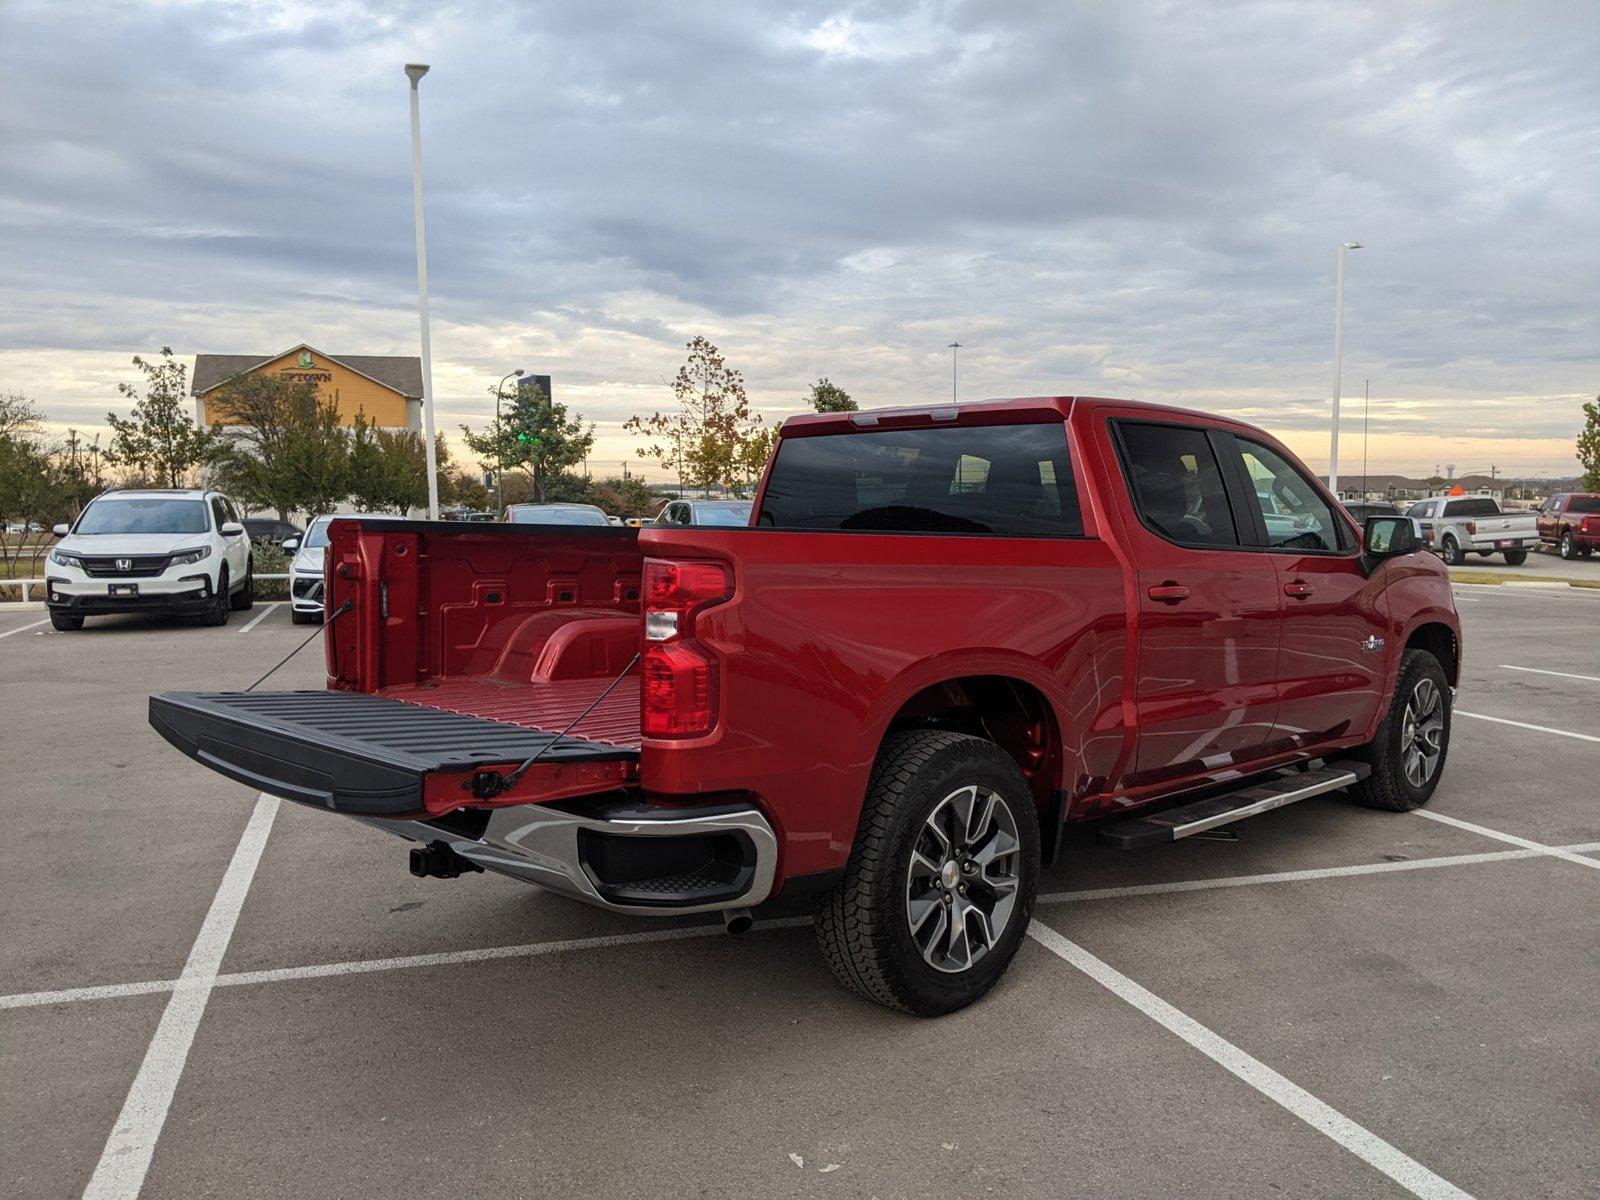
282	447
827	396
389	469
158	439
707	441
535	435
1589	445
629	497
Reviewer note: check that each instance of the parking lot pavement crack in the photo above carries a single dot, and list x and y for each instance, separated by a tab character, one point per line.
1567	853
1326	1120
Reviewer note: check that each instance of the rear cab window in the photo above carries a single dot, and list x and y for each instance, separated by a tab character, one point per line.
996	480
1471	508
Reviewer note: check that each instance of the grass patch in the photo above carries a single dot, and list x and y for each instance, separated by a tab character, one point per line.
1491	577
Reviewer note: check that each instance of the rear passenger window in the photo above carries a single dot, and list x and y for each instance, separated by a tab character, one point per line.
1296	515
1002	480
1176	484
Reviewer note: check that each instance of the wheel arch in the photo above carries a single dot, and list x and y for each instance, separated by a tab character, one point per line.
1441	641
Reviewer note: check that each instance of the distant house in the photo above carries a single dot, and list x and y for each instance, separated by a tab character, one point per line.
386	387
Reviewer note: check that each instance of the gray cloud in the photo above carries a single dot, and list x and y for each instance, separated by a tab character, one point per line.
1128	199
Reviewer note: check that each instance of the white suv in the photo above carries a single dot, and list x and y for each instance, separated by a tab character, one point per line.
179	551
305	569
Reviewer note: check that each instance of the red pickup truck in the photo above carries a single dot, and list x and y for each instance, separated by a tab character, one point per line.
1570	521
947	633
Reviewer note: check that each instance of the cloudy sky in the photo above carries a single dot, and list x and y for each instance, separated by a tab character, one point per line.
1129	199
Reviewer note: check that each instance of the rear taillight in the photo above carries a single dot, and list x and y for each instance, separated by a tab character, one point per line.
1472	529
680	676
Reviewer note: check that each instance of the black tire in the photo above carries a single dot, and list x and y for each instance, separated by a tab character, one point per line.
245	598
1389	786
1569	548
1515	558
221	605
863	924
65	622
305	618
1450	550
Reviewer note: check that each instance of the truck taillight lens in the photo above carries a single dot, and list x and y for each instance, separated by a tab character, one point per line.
680	676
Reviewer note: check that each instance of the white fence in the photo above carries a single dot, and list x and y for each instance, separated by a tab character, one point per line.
27	585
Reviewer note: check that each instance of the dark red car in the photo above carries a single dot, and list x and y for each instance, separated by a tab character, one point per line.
1570	521
947	634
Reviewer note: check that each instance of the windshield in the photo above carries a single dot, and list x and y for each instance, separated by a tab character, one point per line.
722	514
144	514
536	514
317	535
1584	504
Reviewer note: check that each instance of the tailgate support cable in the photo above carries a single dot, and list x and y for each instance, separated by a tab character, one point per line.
488	784
337	613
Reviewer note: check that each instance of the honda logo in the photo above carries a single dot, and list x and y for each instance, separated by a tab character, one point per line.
124	564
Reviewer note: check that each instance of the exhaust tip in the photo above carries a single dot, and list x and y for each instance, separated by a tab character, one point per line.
737	920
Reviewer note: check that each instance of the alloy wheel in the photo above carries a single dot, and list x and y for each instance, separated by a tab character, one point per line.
1422	733
963	880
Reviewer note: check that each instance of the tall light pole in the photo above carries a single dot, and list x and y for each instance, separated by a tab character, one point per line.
500	459
1338	362
1366	426
953	347
415	72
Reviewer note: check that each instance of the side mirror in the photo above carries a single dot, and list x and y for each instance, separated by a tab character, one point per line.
1389	537
62	530
290	544
231	529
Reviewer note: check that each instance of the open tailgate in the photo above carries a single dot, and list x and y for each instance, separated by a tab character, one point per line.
376	756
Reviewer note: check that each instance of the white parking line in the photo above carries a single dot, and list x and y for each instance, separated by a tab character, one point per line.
113	991
1559	674
126	1158
1326	1120
24	628
1582	737
1513	839
262	616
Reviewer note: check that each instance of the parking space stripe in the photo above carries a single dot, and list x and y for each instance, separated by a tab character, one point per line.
1232	881
120	1173
24	628
1582	737
1559	674
1552	851
1326	1120
261	616
113	991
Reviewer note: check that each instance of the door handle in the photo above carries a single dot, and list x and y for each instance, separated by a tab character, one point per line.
1169	593
1298	588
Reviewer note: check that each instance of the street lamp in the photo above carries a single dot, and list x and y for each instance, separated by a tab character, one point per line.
415	72
1338	360
500	463
953	347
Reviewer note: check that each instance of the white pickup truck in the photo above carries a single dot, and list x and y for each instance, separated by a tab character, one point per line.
1456	526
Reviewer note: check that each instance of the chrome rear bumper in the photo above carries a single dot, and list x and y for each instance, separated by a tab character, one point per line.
602	854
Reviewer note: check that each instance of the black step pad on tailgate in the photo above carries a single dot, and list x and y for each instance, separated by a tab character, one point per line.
346	750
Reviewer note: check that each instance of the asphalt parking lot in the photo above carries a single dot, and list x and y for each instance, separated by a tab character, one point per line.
207	992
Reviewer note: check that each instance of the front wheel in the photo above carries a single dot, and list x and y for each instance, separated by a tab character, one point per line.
1407	756
939	887
217	612
1451	550
1515	558
1569	548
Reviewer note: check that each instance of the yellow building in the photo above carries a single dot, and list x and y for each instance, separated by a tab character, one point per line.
387	387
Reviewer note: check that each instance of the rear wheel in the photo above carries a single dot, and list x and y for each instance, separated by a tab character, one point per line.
1451	550
65	622
1569	548
1515	558
1408	755
939	888
245	598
